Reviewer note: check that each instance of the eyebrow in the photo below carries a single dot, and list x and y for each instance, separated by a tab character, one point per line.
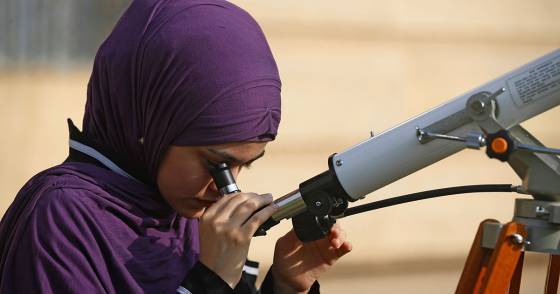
230	157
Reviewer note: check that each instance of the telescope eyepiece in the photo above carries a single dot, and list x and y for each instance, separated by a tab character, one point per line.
223	178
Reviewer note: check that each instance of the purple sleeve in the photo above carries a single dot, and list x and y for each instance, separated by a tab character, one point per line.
59	251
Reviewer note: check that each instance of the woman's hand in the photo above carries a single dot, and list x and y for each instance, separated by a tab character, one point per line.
225	231
297	265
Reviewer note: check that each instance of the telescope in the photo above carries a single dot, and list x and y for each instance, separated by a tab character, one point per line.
487	116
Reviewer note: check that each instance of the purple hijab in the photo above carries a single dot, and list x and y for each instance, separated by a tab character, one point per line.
172	72
182	73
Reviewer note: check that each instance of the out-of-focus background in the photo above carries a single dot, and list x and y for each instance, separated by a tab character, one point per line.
348	68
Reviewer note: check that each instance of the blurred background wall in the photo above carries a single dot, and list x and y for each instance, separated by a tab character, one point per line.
54	32
348	68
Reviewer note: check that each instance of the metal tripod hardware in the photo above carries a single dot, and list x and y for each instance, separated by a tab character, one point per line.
477	141
538	169
541	220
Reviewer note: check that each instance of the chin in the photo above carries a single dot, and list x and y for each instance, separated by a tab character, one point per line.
190	213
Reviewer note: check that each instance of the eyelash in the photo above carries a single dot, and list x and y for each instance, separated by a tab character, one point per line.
209	163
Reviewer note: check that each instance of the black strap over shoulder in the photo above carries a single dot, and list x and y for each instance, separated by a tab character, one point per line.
123	163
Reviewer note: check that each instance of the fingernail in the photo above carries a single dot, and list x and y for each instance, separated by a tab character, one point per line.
269	195
336	243
275	206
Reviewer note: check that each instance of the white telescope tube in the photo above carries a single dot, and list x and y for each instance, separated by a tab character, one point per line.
396	153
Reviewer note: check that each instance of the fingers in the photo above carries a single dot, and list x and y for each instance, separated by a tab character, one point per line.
290	238
230	202
238	211
288	242
337	237
259	218
345	248
225	233
247	207
246	213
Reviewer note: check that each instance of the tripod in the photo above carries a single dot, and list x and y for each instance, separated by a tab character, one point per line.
493	271
495	261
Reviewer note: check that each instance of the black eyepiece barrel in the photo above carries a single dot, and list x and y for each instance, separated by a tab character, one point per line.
223	178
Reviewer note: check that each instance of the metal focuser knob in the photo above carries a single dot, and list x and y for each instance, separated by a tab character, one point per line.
319	203
310	228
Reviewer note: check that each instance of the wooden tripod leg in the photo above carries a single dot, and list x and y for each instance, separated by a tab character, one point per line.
476	264
515	284
553	275
504	260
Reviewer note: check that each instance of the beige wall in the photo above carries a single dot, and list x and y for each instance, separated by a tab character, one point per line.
348	68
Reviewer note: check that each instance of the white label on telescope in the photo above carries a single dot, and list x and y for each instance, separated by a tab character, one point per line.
535	83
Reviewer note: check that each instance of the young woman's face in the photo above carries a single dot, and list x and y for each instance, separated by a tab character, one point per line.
183	177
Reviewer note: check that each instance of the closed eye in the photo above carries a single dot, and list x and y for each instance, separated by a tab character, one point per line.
211	164
231	159
247	165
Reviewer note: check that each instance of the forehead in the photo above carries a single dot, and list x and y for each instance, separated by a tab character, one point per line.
238	152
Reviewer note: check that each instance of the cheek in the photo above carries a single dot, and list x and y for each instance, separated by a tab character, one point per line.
177	186
182	177
178	181
179	193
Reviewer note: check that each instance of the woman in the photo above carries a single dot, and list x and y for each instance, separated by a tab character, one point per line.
176	86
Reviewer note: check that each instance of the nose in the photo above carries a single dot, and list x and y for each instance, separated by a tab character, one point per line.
235	172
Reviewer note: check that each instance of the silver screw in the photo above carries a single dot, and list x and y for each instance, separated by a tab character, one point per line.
420	134
541	212
518	239
339	162
318	203
477	106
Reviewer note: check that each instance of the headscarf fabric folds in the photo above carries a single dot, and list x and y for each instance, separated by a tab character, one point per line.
172	72
182	73
79	228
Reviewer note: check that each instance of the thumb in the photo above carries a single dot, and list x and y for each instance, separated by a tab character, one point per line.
288	241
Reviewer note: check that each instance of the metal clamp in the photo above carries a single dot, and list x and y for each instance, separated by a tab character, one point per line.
518	239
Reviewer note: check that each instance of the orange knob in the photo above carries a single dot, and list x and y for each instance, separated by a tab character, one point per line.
499	145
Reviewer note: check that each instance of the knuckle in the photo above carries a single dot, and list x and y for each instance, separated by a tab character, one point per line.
240	197
204	218
230	196
235	196
236	238
212	227
251	205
